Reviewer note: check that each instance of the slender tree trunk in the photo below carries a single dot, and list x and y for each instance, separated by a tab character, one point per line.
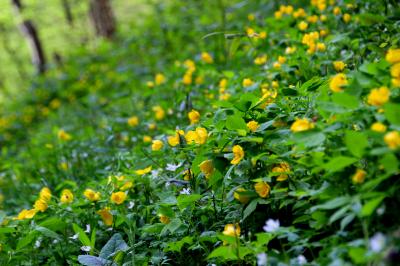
102	17
28	29
67	12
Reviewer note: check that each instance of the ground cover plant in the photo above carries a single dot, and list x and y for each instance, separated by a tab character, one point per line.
228	133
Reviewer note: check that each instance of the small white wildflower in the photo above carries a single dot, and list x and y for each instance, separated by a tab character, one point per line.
86	248
154	173
74	237
185	191
377	242
271	225
301	260
87	228
167	184
131	204
37	243
262	259
173	167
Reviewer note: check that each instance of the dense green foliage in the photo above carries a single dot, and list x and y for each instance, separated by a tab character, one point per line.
220	132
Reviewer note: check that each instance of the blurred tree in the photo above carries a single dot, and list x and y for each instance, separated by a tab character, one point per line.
67	12
28	29
102	17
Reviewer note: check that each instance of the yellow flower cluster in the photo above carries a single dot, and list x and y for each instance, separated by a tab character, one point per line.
378	97
282	168
393	57
311	40
337	82
301	125
91	194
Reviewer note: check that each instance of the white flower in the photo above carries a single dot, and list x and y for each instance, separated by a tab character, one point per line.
301	260
377	242
86	248
87	228
131	204
185	191
271	225
74	237
262	259
37	243
154	173
173	167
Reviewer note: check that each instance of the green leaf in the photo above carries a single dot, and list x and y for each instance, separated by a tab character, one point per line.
370	206
47	232
115	244
225	252
392	112
172	226
23	242
345	100
332	204
81	235
309	139
176	246
356	142
54	224
235	122
7	230
389	163
357	254
88	260
347	220
185	201
249	209
338	163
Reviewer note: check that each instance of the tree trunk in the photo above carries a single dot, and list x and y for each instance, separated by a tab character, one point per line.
102	18
67	12
28	29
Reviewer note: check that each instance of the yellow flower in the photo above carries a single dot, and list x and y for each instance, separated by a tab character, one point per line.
126	186
232	230
281	59
262	35
301	125
150	84
240	196
303	25
187	79
159	112
336	10
278	14
26	214
106	216
164	219
282	168
147	139
143	171
91	194
157	145
346	18
194	116
238	154
337	82
199	80
359	176
62	135
223	83
339	66
247	82
252	125
207	168
378	97
40	205
378	127
159	79
262	189
290	50
393	56
276	65
260	60
45	194
133	121
187	175
321	47
396	82
64	166
152	126
207	58
175	140
251	17
395	71
392	139
66	196
199	136
118	197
